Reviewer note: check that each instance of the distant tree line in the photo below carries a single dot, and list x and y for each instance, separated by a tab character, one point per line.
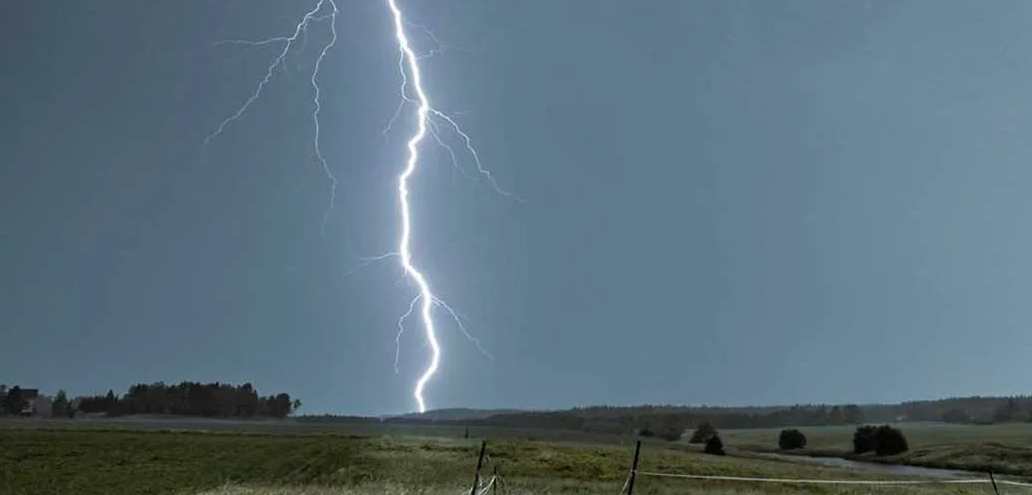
1010	410
964	410
213	400
671	422
661	422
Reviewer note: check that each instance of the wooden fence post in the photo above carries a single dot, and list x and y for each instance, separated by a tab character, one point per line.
480	465
634	468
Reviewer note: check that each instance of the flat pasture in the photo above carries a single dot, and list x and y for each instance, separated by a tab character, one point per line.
80	461
219	457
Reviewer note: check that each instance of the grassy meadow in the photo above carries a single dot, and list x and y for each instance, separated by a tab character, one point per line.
1004	448
290	426
121	461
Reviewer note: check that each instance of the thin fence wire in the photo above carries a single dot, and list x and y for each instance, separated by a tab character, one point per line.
483	486
487	486
626	483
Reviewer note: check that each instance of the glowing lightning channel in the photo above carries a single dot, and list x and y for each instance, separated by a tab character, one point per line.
426	299
426	296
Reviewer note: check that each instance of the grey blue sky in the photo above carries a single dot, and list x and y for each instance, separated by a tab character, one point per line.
727	202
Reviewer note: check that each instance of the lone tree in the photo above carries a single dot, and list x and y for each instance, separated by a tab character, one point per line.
890	441
863	439
882	440
703	433
790	439
647	433
714	445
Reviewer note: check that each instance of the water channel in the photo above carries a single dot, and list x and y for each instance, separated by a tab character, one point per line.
873	467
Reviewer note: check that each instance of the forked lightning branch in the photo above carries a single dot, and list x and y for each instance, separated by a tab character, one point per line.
429	122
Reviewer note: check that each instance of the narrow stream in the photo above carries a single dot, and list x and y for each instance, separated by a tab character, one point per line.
873	467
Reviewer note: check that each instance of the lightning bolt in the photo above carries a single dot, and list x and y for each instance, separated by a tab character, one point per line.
409	69
426	296
429	122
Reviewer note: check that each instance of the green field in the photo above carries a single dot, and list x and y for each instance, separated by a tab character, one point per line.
116	462
1004	448
292	427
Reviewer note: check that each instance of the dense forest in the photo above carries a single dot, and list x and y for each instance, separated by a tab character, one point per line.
212	400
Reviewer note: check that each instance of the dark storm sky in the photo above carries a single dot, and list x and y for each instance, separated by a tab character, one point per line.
733	202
